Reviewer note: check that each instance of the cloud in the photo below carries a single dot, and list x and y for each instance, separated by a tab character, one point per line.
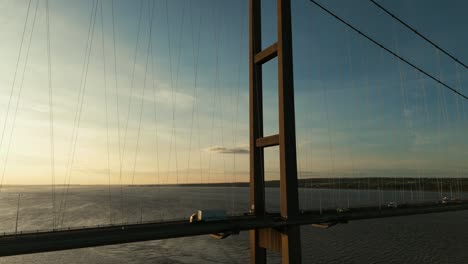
224	150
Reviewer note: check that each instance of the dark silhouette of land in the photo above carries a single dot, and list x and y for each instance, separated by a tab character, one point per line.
370	183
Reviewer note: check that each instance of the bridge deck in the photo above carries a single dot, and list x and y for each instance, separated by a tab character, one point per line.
63	239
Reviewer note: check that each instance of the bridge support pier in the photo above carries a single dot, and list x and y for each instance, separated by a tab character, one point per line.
287	241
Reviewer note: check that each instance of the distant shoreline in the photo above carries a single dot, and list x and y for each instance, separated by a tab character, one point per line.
426	184
366	183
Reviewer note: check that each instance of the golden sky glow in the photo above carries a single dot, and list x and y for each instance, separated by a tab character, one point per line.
178	110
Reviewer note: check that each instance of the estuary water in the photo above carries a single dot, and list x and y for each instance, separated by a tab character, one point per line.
433	238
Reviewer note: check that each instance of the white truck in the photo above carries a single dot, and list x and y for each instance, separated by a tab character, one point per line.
208	215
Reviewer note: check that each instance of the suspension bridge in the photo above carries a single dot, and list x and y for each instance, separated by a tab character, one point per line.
276	229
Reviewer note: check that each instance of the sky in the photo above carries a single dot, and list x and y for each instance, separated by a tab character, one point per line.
156	92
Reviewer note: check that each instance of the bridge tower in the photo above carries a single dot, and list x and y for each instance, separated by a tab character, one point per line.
287	241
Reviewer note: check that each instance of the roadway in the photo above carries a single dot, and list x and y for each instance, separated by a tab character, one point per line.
64	239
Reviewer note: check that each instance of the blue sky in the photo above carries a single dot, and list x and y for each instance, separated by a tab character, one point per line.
179	111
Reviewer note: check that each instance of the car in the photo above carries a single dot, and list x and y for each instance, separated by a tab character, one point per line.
392	205
444	200
342	210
